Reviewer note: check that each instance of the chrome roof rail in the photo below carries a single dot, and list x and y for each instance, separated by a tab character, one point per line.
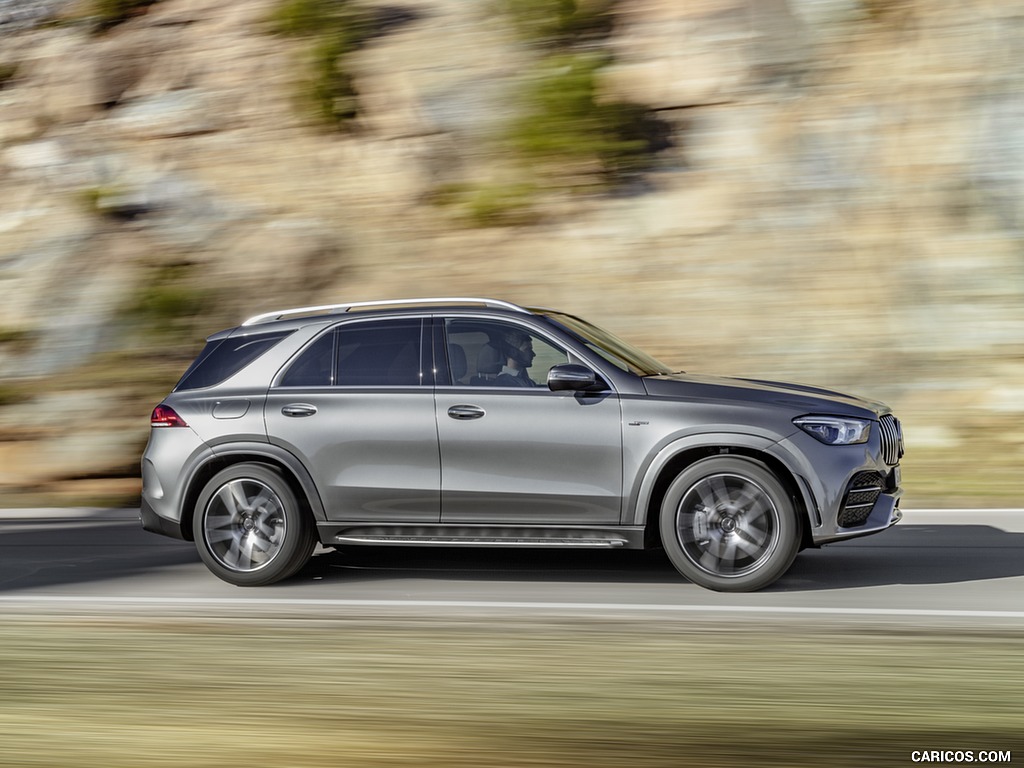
325	309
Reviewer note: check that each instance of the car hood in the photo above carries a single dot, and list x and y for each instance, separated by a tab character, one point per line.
799	397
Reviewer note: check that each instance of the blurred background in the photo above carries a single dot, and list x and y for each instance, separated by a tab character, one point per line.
825	191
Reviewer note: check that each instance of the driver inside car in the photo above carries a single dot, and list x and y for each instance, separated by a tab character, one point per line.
518	349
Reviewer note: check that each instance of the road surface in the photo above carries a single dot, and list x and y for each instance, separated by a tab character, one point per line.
948	566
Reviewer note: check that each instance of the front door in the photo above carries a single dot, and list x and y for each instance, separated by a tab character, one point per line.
513	451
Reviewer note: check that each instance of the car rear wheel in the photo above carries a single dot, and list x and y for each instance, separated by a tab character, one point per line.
249	527
728	524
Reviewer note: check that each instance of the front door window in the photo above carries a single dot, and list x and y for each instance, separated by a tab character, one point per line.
490	354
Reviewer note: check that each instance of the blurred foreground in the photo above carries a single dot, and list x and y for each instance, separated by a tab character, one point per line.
123	693
825	191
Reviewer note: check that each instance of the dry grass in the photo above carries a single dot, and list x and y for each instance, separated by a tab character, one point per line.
106	694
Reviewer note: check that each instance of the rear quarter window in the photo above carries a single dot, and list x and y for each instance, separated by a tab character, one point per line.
222	359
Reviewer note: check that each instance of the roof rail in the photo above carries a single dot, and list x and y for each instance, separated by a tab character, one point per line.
325	309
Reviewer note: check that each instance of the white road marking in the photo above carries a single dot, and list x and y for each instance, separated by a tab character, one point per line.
143	602
99	514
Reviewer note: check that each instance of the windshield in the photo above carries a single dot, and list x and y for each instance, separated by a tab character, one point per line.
609	346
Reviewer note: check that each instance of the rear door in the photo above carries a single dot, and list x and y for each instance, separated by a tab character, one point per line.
356	407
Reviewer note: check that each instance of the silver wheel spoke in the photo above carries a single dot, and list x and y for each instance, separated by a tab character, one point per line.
247	548
757	511
220	521
232	554
219	535
747	497
709	561
729	551
715	546
719	491
713	493
752	548
234	498
261	500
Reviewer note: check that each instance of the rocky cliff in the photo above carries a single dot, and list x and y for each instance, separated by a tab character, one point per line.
836	196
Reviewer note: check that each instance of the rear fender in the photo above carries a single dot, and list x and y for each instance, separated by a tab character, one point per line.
223	455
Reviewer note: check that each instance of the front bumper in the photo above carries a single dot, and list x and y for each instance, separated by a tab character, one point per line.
848	491
884	513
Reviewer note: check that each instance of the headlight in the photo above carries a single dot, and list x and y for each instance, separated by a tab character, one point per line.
833	430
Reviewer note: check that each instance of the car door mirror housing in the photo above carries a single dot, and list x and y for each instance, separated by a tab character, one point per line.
570	376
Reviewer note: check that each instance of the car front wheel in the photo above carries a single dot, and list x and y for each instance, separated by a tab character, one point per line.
249	527
728	524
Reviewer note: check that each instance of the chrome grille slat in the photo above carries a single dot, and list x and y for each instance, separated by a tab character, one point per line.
892	440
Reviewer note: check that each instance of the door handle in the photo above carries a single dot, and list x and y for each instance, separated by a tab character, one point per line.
465	412
299	409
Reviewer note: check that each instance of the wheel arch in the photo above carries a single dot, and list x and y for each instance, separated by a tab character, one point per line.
294	473
677	456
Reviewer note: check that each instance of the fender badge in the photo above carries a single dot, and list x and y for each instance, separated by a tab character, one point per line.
639	423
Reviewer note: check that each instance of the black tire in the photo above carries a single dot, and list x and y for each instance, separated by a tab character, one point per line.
249	527
728	524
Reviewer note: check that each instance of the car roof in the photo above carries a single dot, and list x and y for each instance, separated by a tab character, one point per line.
382	304
298	317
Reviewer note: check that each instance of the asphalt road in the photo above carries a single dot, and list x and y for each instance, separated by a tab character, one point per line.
949	566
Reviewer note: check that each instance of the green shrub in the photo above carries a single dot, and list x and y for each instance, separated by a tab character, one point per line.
332	87
560	23
7	74
168	302
12	394
350	23
302	17
338	27
16	339
95	198
889	11
110	13
564	136
493	205
489	204
565	128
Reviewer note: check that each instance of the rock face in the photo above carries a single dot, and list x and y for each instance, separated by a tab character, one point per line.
842	203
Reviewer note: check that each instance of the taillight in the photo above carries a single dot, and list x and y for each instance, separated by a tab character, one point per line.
164	416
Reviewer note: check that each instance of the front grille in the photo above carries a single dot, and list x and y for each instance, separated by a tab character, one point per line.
860	499
892	440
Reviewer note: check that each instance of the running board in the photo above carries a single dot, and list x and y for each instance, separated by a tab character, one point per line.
362	534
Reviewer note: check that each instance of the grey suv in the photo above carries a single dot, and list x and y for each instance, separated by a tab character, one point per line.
475	422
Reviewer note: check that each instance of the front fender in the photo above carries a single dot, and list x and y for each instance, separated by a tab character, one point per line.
748	444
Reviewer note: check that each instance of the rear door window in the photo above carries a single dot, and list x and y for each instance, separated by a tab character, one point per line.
363	354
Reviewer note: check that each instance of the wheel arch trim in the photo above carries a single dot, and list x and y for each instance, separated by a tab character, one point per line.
748	446
238	452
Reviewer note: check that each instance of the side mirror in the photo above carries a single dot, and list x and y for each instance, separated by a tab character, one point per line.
571	376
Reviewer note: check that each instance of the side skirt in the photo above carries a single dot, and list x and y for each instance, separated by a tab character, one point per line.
463	535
